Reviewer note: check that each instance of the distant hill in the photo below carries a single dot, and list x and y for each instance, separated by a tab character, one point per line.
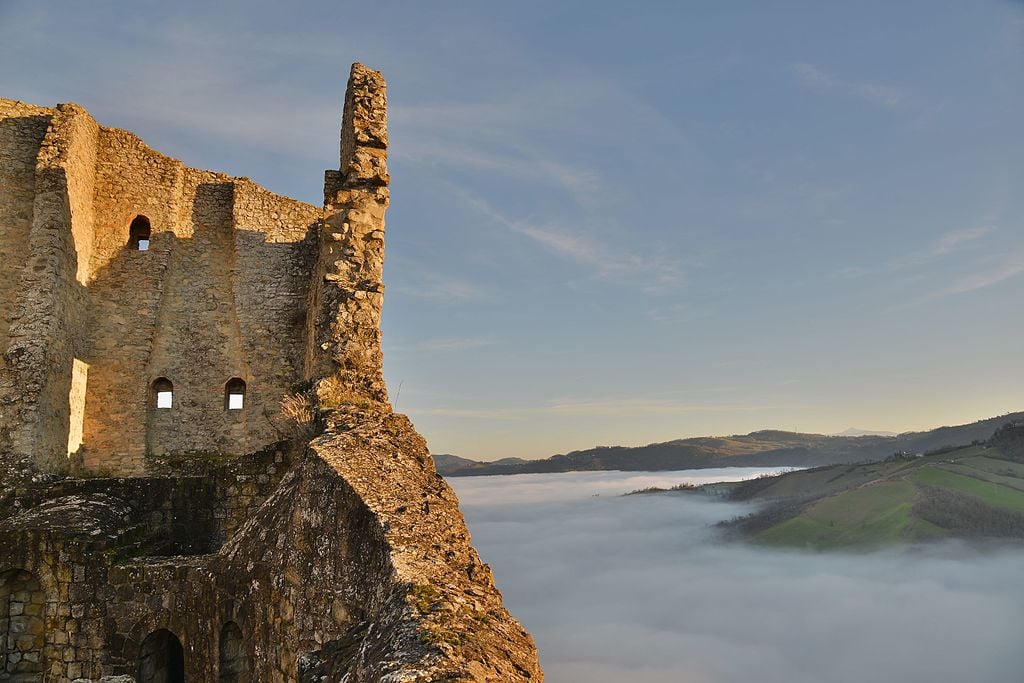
447	463
766	448
451	465
854	431
971	492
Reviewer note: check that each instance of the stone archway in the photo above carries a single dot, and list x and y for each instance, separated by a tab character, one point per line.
22	627
161	658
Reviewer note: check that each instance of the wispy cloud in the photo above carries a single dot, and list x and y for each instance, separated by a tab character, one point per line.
522	163
445	344
950	242
642	406
548	105
611	407
652	273
676	313
946	244
1011	267
442	288
528	131
814	77
472	413
850	272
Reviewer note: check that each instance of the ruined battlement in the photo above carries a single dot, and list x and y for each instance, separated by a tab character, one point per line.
126	274
201	476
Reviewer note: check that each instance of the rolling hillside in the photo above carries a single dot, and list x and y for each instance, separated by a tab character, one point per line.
971	492
767	448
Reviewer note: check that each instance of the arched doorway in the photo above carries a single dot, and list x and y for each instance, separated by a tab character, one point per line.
161	658
234	666
22	627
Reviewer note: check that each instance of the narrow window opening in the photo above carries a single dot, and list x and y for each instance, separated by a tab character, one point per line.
234	394
139	233
234	666
163	392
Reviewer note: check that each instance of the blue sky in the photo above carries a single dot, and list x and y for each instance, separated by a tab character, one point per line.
622	223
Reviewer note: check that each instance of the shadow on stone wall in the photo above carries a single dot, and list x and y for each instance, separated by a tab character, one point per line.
199	310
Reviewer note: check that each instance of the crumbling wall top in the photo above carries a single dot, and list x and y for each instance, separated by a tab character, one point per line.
364	128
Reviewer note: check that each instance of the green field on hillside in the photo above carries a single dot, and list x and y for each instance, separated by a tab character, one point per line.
996	494
972	492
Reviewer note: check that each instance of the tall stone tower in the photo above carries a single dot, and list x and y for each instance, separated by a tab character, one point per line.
200	474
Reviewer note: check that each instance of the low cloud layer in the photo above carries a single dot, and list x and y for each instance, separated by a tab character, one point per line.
639	589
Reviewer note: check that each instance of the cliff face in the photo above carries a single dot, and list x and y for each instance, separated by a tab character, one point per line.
427	606
216	348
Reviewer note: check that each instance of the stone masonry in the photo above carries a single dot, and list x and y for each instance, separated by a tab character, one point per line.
201	477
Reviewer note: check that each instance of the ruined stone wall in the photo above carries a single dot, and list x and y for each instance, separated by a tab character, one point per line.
92	322
236	283
431	608
22	129
69	545
126	289
354	564
343	557
345	306
197	343
116	559
275	242
218	295
47	313
62	239
22	604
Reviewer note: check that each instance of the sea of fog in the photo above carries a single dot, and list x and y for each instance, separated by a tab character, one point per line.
641	589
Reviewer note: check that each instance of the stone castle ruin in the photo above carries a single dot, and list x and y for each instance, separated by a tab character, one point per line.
201	477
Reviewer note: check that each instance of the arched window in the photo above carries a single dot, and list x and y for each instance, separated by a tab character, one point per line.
234	667
22	625
161	658
138	234
163	392
234	394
